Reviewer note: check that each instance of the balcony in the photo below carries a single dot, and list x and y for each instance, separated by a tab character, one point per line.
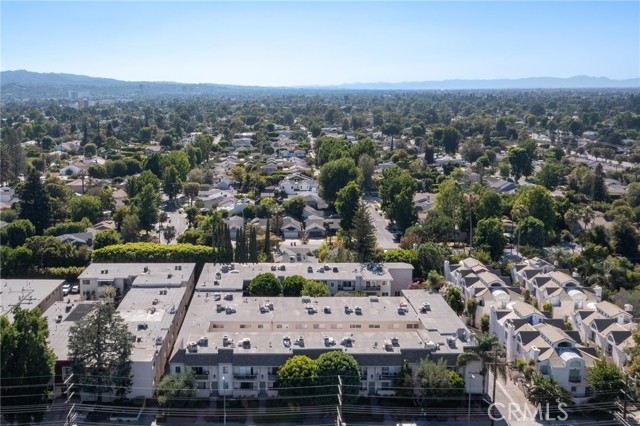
372	288
201	376
272	377
346	288
244	376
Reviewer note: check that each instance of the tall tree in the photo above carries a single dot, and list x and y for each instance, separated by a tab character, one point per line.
434	382
600	192
367	165
520	161
26	366
34	202
253	245
267	241
100	348
364	237
334	176
489	237
147	207
176	391
337	363
347	203
171	182
297	379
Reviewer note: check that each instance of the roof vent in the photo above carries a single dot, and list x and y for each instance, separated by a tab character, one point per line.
358	310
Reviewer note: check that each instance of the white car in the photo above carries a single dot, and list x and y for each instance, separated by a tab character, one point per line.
65	289
75	289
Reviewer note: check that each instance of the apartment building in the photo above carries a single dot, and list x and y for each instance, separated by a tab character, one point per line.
122	276
28	294
381	279
153	315
234	345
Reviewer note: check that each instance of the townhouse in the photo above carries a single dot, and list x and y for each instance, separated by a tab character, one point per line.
561	330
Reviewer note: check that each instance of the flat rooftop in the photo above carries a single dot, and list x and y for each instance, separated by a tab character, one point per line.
61	316
144	274
282	325
149	314
27	293
231	277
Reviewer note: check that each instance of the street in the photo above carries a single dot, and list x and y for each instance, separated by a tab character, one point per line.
384	237
176	219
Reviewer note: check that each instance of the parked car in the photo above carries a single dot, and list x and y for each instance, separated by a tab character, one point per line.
75	289
65	289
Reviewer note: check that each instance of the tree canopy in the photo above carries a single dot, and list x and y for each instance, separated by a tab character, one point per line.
100	346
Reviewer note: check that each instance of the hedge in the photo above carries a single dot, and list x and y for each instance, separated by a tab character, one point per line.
157	253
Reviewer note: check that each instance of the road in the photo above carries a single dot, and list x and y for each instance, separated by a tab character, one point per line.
177	220
384	237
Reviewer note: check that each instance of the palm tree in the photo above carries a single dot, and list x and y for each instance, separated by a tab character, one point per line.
587	214
489	351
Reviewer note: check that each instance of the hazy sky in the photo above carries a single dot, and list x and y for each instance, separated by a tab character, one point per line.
328	42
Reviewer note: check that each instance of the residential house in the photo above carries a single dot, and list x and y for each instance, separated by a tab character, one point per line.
314	227
296	183
290	228
234	223
501	186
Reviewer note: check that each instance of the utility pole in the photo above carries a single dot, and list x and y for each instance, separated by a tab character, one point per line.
495	381
339	407
71	412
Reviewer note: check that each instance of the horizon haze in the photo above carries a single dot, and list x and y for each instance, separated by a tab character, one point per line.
298	44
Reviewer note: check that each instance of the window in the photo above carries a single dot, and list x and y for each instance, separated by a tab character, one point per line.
384	293
245	325
397	293
573	388
225	370
544	369
574	375
374	325
178	370
201	385
355	325
260	325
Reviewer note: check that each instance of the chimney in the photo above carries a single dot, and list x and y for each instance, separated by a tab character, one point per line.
598	291
535	352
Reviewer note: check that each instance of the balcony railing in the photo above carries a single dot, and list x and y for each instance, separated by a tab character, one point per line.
245	376
346	288
272	377
201	376
372	288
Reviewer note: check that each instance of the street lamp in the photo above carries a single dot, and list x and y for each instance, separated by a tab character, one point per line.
224	403
471	376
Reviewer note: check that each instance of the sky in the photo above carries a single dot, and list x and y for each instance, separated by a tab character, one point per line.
296	43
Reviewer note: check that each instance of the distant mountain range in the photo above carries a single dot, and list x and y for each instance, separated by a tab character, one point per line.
27	84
